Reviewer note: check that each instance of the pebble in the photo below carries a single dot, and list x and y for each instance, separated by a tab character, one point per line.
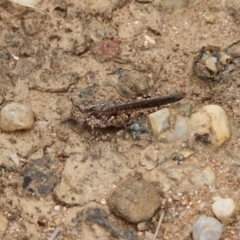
106	49
179	172
224	58
184	153
135	200
149	235
205	177
184	109
213	121
57	208
225	209
207	228
19	4
211	64
148	163
180	130
181	127
159	121
210	17
14	157
150	160
143	226
16	116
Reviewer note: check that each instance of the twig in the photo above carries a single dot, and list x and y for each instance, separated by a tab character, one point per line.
158	226
55	233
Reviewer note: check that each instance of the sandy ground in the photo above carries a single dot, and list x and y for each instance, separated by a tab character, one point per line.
103	52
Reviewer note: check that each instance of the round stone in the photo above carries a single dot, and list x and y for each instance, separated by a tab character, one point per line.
135	200
225	209
211	120
207	228
16	116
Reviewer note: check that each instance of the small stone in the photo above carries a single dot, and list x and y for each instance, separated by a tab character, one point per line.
225	209
148	163
22	3
14	157
103	201
16	116
184	153
207	228
150	159
205	56
220	124
149	235
135	200
57	208
211	120
181	127
106	49
224	58
180	130
184	109
179	172
211	64
39	178
210	18
149	41
206	177
169	228
159	121
143	226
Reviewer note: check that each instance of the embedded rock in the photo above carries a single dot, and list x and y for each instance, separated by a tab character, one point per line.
135	200
211	121
159	121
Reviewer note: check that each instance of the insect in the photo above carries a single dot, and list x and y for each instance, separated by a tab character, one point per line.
105	115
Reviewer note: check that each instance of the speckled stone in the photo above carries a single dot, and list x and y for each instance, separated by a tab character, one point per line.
135	200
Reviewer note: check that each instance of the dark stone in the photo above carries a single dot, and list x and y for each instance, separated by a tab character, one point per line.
39	177
26	181
98	216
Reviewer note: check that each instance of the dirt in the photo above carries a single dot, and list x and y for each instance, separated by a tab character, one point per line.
109	51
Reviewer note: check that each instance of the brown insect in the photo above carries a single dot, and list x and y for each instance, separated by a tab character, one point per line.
104	115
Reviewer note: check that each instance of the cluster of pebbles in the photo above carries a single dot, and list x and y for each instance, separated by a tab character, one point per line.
211	63
209	123
136	200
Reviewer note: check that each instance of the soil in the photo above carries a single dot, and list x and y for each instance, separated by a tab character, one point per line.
111	51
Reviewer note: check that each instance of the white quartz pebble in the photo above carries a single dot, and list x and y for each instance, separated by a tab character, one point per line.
207	228
16	116
225	208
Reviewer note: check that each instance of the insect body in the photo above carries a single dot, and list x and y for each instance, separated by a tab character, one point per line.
118	115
